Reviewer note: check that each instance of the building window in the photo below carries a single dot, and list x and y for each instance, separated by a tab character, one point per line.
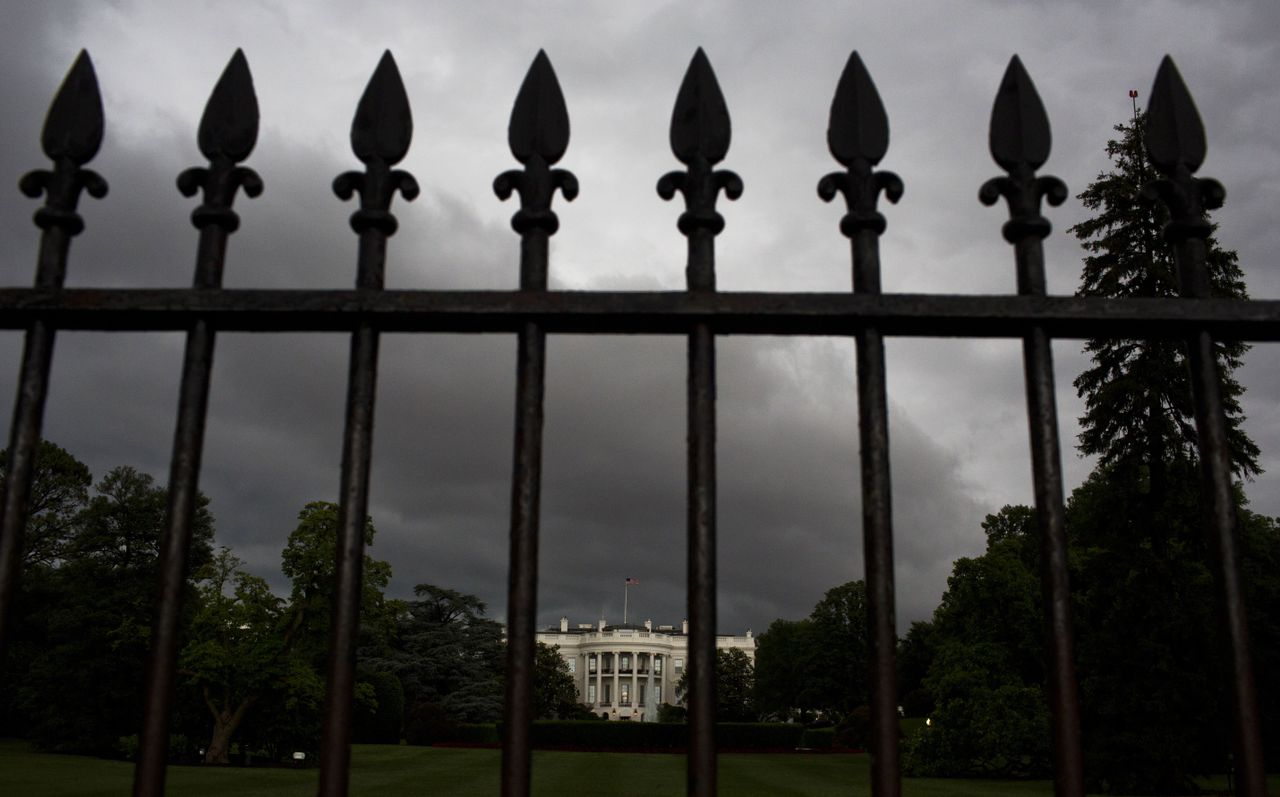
573	666
608	694
591	693
626	662
591	663
679	666
657	694
624	691
657	665
640	695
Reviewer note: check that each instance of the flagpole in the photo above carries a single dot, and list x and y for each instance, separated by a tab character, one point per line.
626	585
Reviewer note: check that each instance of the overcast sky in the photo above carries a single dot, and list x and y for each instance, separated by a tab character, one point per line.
614	474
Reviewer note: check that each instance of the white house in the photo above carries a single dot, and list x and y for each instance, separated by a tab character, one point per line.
624	672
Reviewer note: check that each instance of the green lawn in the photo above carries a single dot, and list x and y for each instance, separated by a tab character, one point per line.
385	770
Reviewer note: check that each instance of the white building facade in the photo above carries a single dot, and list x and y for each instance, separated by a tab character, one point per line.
624	672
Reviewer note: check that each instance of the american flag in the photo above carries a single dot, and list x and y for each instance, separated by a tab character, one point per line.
631	582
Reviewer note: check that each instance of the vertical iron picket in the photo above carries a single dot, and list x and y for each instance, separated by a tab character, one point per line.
858	137
1019	141
71	137
538	135
700	139
228	131
1176	145
380	135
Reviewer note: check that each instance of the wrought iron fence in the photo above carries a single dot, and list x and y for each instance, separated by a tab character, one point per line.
700	134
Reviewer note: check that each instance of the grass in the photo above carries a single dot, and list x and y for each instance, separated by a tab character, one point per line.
392	771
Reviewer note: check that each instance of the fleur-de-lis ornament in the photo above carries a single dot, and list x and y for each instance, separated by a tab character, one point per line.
700	139
1175	143
71	137
538	135
1019	139
858	137
228	131
380	136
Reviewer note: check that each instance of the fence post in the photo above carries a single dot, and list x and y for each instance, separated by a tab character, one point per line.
700	139
228	131
1019	141
71	137
858	137
538	135
380	135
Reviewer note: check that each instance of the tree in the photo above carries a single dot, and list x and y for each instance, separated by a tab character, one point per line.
1153	711
59	491
1138	410
986	670
735	686
448	656
817	665
83	684
249	650
839	622
788	657
554	694
237	650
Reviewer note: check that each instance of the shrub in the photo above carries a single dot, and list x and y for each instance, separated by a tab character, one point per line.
428	723
381	723
758	735
818	738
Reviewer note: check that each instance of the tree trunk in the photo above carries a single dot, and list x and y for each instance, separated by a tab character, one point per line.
225	723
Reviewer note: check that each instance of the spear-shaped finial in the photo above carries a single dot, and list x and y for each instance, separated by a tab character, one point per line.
538	135
228	131
1020	142
71	137
380	136
1175	142
700	139
858	137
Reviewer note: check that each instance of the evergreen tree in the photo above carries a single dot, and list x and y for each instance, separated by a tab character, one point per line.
1139	414
1154	712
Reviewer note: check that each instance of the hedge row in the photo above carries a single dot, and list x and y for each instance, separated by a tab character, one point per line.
662	736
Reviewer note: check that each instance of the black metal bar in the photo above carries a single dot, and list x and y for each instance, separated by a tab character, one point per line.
538	135
1175	143
639	313
1020	142
700	139
701	546
227	134
858	137
71	137
1219	494
380	135
877	528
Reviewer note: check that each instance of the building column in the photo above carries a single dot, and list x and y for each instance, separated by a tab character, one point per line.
635	698
650	705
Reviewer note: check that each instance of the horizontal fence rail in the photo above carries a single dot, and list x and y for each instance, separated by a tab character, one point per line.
538	136
638	313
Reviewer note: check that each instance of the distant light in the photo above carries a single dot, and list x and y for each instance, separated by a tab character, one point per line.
299	756
928	721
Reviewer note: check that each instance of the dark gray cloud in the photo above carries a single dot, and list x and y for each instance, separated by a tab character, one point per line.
614	481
